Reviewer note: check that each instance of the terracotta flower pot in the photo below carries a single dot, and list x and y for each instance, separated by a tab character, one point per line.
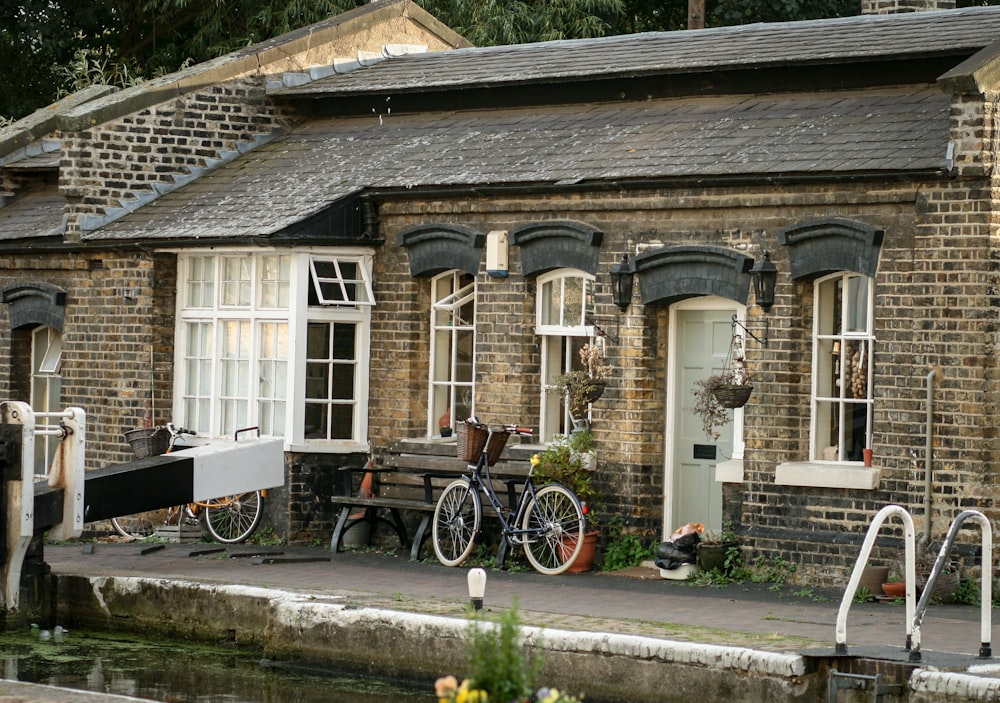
894	590
585	559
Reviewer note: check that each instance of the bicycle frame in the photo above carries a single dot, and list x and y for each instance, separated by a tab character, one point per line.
479	479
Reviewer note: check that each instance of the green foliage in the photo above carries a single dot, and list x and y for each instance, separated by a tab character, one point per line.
967	592
43	38
624	550
863	595
265	536
498	662
562	461
775	571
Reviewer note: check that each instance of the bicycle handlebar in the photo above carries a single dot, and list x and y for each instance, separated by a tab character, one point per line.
176	431
512	429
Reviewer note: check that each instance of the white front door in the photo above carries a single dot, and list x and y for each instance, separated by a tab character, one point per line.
701	334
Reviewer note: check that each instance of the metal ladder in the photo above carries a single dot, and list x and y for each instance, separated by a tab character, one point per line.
840	681
915	611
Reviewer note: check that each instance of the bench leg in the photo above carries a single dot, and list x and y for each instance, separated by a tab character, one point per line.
419	536
338	531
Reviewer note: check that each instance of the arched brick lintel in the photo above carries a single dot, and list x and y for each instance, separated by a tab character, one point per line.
817	247
34	304
674	273
557	244
438	247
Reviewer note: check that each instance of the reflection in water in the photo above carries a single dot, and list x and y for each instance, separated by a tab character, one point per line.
180	672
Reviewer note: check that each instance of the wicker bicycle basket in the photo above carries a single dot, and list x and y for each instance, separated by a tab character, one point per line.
471	440
148	441
495	445
730	396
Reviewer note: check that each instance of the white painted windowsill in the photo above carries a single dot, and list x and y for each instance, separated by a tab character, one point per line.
730	471
817	474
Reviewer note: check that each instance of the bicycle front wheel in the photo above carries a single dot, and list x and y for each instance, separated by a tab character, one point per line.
234	518
554	527
457	518
140	525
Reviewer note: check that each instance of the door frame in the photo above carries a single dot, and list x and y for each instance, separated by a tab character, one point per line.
706	303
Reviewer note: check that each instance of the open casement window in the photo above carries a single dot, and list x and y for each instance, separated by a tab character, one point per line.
453	350
46	388
240	314
843	338
565	299
339	281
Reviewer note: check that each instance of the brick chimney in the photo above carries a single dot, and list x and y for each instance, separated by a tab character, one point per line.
891	7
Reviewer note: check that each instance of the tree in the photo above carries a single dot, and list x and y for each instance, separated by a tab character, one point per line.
59	46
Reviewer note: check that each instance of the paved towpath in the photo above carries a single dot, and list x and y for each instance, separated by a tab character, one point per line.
634	602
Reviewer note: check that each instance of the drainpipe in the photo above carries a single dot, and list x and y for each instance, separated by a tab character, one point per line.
928	457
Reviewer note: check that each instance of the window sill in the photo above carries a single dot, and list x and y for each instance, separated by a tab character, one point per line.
327	447
729	471
817	474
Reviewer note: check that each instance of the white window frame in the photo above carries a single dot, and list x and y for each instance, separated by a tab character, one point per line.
445	360
46	392
273	303
568	326
837	471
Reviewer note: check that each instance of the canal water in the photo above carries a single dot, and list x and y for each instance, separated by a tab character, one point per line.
186	673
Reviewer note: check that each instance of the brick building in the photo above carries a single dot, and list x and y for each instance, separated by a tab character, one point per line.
297	241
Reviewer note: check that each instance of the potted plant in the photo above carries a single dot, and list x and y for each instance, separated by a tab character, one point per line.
585	385
569	461
718	394
714	549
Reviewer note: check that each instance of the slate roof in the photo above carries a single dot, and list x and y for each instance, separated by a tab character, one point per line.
848	39
280	183
34	214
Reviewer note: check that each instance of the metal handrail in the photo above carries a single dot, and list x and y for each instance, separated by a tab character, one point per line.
859	566
986	585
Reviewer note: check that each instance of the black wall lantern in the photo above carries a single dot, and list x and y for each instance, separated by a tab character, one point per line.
622	278
764	275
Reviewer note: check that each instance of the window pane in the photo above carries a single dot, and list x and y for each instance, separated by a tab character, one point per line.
574	306
551	302
272	364
342	422
201	282
275	272
236	281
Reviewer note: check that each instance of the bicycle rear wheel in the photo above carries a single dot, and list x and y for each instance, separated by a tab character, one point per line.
554	523
234	518
457	518
141	525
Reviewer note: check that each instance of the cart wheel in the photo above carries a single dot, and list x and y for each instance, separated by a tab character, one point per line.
234	518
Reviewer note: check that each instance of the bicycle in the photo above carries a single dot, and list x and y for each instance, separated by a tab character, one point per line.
230	519
548	521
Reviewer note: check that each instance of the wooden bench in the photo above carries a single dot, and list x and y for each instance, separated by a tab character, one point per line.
410	477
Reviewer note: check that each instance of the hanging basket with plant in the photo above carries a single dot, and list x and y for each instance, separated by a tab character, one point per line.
585	385
721	392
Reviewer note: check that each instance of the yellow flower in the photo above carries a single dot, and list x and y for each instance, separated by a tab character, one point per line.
470	695
535	461
551	697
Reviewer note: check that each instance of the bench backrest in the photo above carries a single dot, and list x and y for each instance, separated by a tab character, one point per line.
414	459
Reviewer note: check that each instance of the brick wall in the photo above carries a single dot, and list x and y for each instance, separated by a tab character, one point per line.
112	164
932	311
